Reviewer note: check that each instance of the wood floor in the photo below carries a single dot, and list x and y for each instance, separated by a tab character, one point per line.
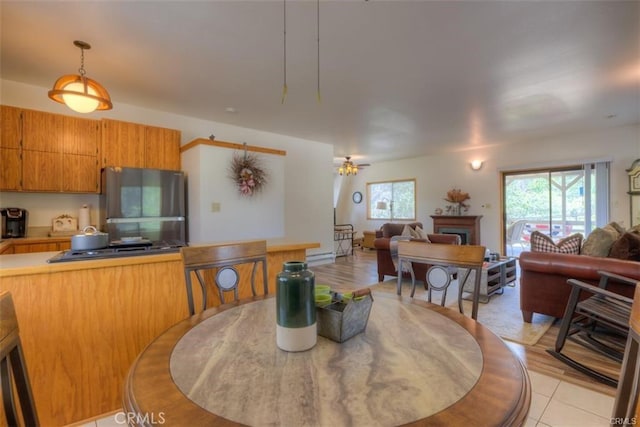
360	270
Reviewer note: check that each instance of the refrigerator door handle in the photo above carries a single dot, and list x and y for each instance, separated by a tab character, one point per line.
145	219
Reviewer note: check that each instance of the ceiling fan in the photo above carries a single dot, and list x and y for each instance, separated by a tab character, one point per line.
350	168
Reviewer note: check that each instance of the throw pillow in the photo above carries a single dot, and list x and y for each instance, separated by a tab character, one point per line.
617	227
626	247
422	234
599	241
543	243
407	231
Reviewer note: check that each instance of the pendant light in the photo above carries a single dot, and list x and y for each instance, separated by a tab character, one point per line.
79	92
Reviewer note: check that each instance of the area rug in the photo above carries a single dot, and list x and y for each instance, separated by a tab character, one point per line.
501	314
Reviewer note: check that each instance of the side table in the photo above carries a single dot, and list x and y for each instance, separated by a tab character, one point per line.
495	276
369	237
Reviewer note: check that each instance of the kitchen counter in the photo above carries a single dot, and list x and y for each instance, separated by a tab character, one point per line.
96	316
36	263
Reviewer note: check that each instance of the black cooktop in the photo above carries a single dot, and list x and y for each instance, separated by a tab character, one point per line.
118	251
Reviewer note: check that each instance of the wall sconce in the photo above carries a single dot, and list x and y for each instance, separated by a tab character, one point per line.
79	92
476	165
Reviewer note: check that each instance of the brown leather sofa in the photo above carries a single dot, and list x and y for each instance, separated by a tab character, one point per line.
544	275
385	263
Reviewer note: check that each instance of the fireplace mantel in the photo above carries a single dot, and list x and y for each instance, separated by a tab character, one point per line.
466	226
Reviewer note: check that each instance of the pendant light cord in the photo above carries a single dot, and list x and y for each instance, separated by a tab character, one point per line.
284	85
81	70
318	41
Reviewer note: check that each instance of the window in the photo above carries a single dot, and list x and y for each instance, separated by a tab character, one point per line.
391	200
556	201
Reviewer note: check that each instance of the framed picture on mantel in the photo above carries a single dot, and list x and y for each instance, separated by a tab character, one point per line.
465	226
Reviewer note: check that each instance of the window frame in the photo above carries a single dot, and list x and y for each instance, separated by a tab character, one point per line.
391	216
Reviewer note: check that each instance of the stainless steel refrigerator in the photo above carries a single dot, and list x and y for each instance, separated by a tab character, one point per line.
144	203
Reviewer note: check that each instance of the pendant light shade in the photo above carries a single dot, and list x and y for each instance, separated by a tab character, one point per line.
79	92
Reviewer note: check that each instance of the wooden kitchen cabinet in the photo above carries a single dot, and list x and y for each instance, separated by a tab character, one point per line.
135	145
21	248
162	148
11	170
10	148
49	152
80	153
42	171
31	245
122	144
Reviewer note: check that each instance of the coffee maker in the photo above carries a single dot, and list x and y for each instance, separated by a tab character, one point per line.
14	222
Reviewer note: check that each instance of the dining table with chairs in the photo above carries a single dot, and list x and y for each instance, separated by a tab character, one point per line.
415	363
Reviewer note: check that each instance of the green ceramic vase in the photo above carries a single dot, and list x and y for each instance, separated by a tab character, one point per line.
295	307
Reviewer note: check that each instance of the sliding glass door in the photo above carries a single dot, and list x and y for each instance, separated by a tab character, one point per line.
555	201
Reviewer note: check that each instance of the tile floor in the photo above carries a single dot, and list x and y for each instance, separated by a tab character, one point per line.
554	403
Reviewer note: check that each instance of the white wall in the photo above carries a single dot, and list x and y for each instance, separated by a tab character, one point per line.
208	173
307	173
437	174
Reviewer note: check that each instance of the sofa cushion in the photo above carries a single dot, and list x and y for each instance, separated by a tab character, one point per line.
543	243
600	240
626	247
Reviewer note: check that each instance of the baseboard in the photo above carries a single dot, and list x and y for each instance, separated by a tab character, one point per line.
320	259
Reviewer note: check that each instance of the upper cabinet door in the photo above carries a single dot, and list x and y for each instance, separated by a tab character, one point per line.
42	131
11	169
10	148
42	171
122	144
10	127
162	148
80	136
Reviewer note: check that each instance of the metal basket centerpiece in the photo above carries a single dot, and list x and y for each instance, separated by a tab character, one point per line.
345	317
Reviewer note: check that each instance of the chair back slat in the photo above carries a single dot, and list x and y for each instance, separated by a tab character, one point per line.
13	369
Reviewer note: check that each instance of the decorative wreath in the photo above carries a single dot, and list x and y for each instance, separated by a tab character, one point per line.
248	174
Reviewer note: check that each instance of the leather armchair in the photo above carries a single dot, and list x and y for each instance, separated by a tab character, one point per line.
543	279
385	263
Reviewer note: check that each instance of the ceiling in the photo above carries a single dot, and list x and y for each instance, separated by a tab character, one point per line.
397	78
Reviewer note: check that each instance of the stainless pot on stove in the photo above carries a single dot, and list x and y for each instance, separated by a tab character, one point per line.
90	239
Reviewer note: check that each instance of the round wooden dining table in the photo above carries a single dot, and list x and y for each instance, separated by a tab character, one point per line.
416	363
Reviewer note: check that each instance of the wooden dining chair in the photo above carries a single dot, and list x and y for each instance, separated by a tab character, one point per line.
626	408
218	265
599	323
443	258
13	370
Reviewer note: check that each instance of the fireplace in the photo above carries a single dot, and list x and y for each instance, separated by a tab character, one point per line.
465	235
465	226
